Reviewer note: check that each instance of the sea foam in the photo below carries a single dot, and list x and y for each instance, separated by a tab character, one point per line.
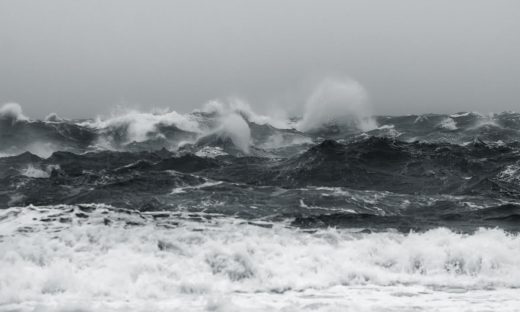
78	259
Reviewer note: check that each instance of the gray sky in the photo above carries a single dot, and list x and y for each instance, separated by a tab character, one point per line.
79	58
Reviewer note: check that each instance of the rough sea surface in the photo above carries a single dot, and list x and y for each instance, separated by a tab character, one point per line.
225	210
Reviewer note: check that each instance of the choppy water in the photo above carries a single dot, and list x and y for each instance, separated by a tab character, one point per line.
208	212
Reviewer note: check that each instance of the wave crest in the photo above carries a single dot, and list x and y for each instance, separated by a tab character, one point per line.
12	112
342	102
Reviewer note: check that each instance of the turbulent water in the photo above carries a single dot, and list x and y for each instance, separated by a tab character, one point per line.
226	210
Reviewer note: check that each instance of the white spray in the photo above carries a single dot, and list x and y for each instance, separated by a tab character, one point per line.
139	125
234	127
338	101
12	111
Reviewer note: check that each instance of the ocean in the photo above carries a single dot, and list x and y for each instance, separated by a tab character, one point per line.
226	210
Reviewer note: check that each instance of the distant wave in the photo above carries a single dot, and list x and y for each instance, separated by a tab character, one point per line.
246	131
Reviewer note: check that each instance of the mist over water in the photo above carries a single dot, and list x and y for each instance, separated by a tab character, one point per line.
235	128
12	112
340	102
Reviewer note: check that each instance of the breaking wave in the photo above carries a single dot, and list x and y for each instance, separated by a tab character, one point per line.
336	110
90	253
236	129
135	126
340	102
12	112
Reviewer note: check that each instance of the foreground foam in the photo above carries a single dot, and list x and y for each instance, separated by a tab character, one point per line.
71	255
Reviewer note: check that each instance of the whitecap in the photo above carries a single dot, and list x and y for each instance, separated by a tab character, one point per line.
56	263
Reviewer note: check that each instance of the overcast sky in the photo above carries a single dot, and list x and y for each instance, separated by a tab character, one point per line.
79	58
